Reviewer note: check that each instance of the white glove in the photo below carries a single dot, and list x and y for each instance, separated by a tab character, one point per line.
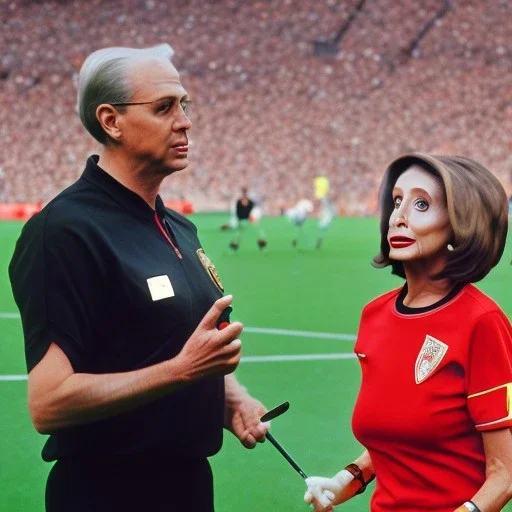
323	493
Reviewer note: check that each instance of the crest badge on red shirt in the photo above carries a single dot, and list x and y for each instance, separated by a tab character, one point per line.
431	354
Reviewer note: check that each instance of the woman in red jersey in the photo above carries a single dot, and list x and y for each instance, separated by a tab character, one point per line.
434	408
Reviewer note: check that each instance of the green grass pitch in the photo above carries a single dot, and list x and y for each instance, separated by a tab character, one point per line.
298	292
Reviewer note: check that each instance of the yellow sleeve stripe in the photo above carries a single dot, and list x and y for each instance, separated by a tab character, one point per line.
508	386
491	407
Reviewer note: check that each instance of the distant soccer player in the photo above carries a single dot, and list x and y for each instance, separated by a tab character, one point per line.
298	214
247	213
326	210
433	410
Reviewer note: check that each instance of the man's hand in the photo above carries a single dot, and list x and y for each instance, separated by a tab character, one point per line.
210	351
243	413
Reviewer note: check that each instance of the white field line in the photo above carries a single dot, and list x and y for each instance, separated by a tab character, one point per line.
9	316
247	359
302	334
298	357
253	359
259	330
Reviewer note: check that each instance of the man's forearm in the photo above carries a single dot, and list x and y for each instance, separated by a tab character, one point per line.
83	398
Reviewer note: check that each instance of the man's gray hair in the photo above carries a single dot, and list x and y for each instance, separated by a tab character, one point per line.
103	78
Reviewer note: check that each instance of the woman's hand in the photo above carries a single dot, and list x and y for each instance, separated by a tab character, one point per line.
323	493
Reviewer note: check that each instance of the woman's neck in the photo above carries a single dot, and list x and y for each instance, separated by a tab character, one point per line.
423	291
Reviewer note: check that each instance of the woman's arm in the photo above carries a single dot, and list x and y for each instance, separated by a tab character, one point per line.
323	493
496	491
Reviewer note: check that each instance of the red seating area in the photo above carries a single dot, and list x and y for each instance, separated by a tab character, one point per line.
23	211
181	206
18	211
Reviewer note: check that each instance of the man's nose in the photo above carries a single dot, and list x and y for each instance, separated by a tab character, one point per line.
182	121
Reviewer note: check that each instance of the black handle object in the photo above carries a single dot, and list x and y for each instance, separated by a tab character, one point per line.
275	412
286	455
223	320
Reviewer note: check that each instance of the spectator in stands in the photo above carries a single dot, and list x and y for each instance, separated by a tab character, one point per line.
367	77
246	214
433	410
128	343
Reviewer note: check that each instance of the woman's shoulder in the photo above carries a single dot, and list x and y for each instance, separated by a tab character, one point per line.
476	302
380	300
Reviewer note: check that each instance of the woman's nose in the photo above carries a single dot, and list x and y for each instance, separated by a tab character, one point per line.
398	217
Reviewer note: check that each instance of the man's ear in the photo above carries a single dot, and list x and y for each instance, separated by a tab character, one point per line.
108	117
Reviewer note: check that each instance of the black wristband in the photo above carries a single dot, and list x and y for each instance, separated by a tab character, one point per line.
356	472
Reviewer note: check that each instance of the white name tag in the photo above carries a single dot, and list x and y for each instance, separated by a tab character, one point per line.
160	287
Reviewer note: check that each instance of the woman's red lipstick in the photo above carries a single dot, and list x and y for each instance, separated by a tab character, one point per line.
399	242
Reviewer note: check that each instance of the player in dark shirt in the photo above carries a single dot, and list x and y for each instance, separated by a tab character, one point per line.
247	214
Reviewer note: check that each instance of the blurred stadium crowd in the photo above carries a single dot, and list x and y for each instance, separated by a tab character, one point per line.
283	91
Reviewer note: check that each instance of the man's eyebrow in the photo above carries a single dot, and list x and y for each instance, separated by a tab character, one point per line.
174	97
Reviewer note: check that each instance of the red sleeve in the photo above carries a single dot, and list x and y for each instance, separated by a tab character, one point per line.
489	374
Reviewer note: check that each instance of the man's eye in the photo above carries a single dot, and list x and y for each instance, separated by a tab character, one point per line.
164	107
421	205
397	201
185	105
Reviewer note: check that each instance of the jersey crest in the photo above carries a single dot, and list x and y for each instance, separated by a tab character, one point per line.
210	269
431	354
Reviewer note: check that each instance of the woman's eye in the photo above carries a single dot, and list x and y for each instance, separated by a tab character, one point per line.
421	205
397	201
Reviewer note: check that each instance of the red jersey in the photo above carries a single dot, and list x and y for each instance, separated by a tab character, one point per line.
430	382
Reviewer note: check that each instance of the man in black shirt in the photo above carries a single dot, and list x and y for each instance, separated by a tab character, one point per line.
128	343
243	209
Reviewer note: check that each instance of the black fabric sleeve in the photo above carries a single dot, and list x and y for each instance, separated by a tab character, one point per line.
57	282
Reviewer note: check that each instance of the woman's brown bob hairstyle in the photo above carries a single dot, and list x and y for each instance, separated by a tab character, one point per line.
477	207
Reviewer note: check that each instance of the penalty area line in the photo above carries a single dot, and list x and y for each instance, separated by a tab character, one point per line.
245	359
297	357
301	334
257	330
9	316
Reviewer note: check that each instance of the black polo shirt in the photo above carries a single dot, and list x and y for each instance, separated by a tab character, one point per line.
243	211
118	288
